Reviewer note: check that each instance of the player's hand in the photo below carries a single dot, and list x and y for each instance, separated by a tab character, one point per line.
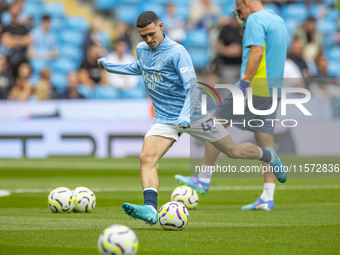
244	84
99	64
240	21
180	126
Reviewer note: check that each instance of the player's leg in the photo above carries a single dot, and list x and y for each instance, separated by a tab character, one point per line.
266	200
157	142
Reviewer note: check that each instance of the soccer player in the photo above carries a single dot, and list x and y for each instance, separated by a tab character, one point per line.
167	71
264	54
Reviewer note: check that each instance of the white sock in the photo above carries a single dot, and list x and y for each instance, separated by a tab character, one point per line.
205	174
155	190
268	191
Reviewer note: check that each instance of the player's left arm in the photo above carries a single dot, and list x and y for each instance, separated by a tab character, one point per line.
185	69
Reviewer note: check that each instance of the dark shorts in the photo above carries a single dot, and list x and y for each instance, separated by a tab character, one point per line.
258	123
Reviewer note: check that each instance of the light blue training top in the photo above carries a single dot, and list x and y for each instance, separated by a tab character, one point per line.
167	71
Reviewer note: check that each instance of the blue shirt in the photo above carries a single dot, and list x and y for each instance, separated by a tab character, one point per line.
268	30
167	72
43	42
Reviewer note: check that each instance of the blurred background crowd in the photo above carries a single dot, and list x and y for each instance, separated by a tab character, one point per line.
49	48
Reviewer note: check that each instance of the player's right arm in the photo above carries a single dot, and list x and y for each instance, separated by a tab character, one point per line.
128	69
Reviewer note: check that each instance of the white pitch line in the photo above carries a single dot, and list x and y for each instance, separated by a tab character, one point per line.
4	193
216	188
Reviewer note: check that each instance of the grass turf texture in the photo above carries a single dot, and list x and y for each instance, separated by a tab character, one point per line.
305	219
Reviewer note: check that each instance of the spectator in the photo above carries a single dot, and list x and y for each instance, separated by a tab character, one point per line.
6	78
15	37
22	19
229	50
311	39
97	35
296	55
71	90
122	31
175	27
43	90
89	73
203	14
22	89
323	86
44	41
121	57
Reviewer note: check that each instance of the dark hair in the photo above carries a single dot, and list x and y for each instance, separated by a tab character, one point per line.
146	18
46	18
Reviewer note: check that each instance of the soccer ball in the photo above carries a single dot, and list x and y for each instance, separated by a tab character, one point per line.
60	200
118	239
173	216
84	200
185	195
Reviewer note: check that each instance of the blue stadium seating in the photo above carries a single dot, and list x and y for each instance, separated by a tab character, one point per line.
38	65
333	54
105	5
64	65
197	37
71	37
105	92
78	23
297	11
54	9
59	81
182	11
332	15
85	91
334	68
200	56
73	53
127	13
314	10
57	24
273	7
327	27
227	7
152	6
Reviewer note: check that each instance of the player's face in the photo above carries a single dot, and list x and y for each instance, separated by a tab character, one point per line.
242	9
152	34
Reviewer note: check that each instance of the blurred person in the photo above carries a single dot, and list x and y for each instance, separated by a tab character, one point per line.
121	57
22	18
22	89
89	74
168	71
71	91
43	90
229	50
6	77
175	27
264	53
296	55
323	85
311	38
122	31
97	35
204	14
15	37
44	46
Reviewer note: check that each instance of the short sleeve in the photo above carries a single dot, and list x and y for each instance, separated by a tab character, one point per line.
254	33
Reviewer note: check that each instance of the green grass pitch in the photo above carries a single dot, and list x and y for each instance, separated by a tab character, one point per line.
306	218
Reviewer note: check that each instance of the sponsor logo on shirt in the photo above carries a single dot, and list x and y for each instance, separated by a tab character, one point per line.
186	69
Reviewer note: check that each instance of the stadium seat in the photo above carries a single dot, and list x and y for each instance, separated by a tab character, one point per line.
105	92
105	5
38	65
334	68
59	81
57	24
153	6
70	52
197	37
273	7
182	11
292	25
64	65
294	11
332	15
333	54
54	9
72	37
127	13
327	27
78	23
227	7
200	56
314	10
85	91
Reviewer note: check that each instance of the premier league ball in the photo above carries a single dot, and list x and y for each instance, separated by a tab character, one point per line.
84	200
185	195
60	200
173	216
118	239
